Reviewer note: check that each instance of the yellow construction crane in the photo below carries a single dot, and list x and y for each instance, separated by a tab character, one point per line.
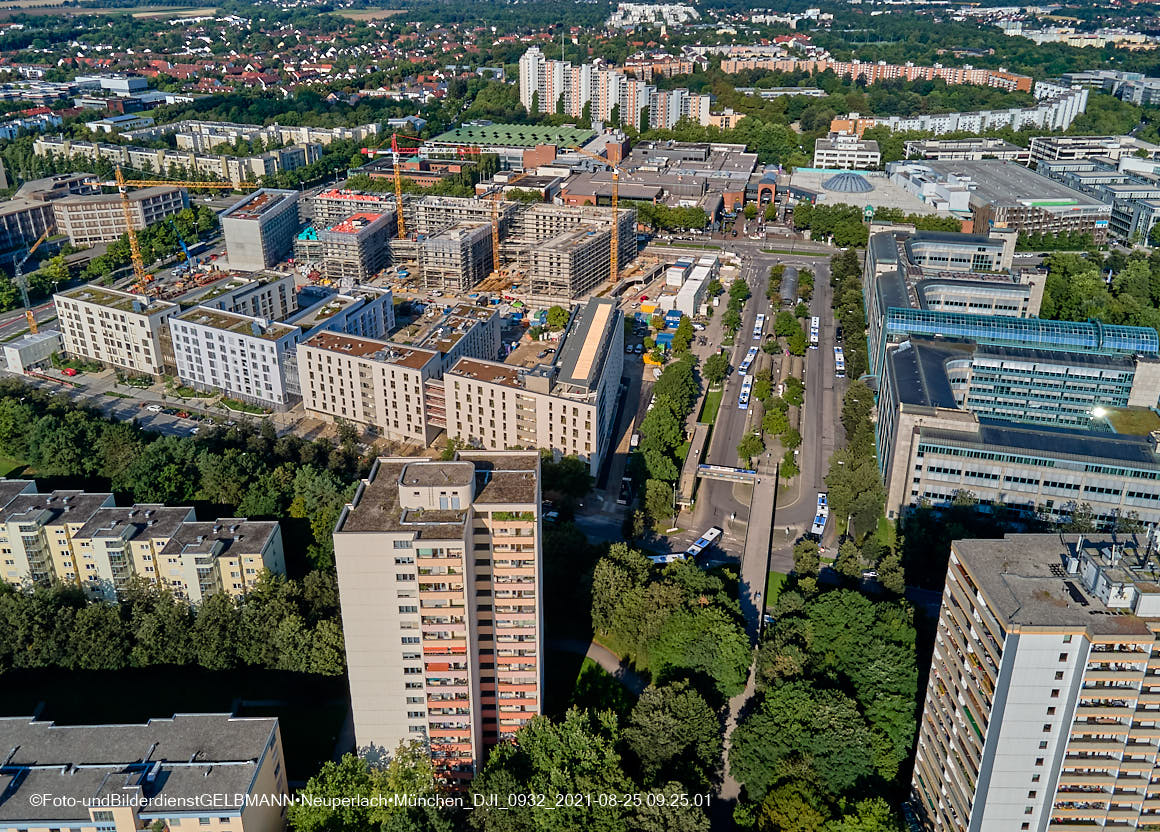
22	281
143	278
614	263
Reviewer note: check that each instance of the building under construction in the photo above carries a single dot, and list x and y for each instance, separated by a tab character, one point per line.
570	264
564	256
433	214
353	250
328	206
456	258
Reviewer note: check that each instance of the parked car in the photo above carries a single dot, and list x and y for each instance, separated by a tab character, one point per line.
69	371
154	408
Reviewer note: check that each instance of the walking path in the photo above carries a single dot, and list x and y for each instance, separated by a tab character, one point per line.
604	657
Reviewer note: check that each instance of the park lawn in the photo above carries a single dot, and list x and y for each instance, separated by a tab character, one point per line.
885	532
773	585
10	465
711	406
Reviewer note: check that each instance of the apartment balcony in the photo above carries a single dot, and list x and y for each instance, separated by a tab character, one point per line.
1096	745
1108	711
1114	675
1086	778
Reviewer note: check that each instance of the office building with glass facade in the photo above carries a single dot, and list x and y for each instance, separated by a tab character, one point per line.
1003	407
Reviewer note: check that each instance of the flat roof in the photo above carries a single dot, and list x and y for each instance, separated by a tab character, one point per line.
490	372
191	756
134	196
581	359
1025	583
885	194
355	223
1001	182
236	323
253	206
116	299
155	519
514	135
376	507
414	358
1074	444
226	535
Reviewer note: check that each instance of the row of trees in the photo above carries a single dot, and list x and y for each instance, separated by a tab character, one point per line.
280	625
663	433
659	216
738	295
240	471
157	241
849	309
834	720
1063	241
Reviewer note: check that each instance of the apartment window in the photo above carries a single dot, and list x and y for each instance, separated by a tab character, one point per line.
405	609
1051	711
1027	810
1067	639
203	821
413	686
1031	794
411	671
1055	693
404	576
410	639
416	729
1034	778
1042	744
1063	657
419	715
1058	675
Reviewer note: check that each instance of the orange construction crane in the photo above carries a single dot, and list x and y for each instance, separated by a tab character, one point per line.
396	153
22	281
614	262
143	278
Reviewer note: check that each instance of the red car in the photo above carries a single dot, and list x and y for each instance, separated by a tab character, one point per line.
69	371
643	298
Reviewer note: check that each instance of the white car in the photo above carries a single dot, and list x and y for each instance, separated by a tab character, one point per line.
155	408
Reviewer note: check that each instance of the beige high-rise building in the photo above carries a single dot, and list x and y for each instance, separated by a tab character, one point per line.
117	328
440	581
84	539
1043	701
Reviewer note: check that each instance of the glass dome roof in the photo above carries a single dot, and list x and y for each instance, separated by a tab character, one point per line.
848	182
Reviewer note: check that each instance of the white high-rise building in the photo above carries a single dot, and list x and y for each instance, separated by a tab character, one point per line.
607	89
1043	701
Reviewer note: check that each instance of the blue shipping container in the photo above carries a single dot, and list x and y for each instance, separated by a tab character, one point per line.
665	339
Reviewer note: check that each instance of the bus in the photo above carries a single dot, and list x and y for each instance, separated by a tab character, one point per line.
758	327
746	389
815	332
703	542
839	363
823	503
750	357
819	526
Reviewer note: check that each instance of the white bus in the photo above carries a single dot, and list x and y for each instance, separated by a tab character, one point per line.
823	503
839	363
746	389
815	332
750	357
758	327
703	542
819	526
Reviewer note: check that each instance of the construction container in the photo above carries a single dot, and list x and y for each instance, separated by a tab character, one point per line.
665	340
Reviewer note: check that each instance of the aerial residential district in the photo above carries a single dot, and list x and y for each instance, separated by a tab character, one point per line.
558	416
